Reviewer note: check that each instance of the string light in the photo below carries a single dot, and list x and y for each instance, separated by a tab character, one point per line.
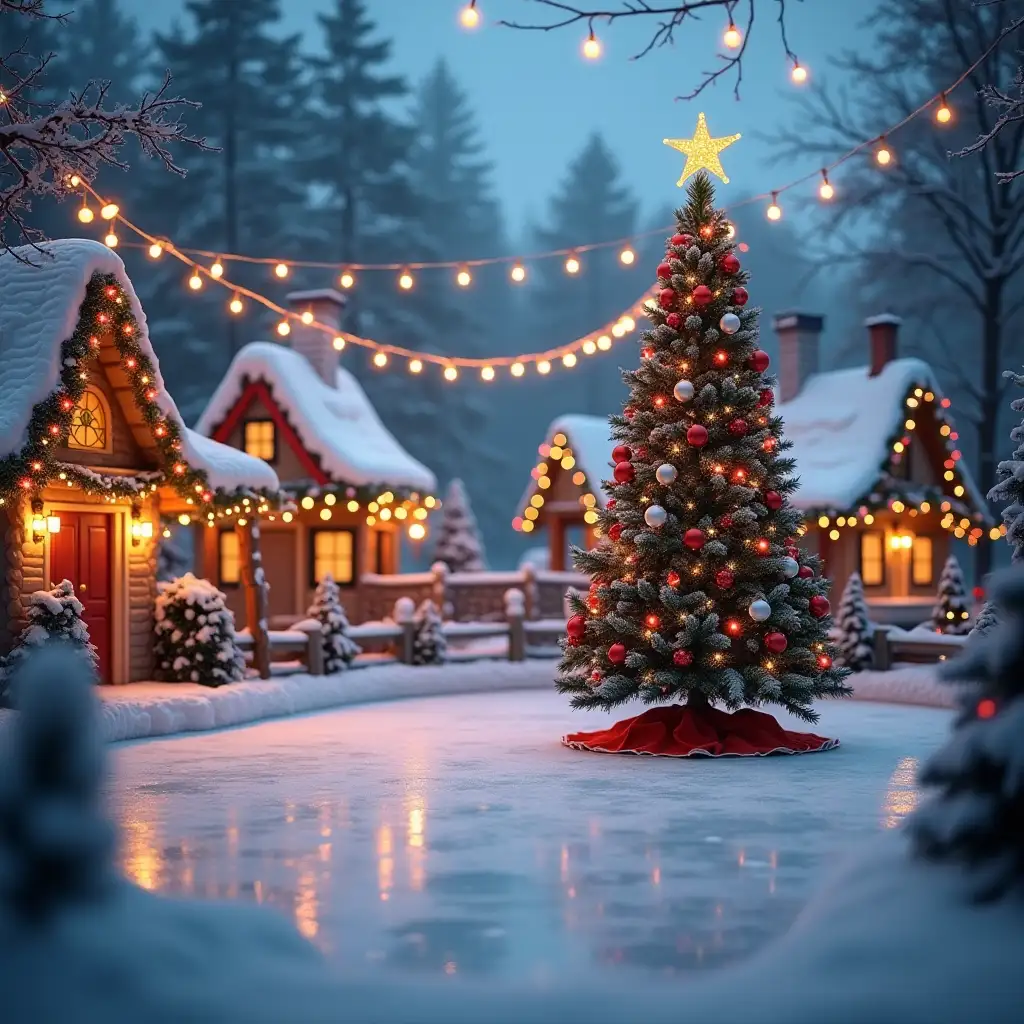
883	155
405	281
572	264
346	279
627	256
774	210
798	74
85	214
825	189
569	360
281	270
943	114
380	360
517	369
415	365
450	373
337	343
487	373
236	305
217	269
156	250
195	282
469	16
109	211
284	328
591	47
543	367
732	37
518	273
110	240
464	278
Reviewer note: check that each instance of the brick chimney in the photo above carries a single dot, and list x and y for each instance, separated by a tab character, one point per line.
327	307
799	335
882	334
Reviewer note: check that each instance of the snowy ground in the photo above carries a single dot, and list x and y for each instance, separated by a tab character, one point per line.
454	836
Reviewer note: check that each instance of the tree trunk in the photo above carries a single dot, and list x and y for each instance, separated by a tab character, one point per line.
230	173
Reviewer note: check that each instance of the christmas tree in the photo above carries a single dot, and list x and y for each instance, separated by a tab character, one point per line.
951	614
700	591
429	646
853	627
458	544
975	818
340	649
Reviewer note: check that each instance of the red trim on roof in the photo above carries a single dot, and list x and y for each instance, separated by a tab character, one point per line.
258	391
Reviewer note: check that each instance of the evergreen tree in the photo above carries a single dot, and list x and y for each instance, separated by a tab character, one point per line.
701	592
458	543
1009	486
987	620
340	650
429	646
951	613
974	820
853	627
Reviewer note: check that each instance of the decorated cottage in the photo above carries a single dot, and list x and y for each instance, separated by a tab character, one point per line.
882	482
355	489
93	451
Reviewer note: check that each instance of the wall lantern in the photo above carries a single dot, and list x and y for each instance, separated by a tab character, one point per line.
42	525
142	529
901	540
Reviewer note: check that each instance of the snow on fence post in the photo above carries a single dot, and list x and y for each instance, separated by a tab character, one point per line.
515	613
256	587
314	648
882	655
439	590
530	595
404	614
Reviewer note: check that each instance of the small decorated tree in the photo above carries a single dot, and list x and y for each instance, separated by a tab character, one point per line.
340	650
429	646
951	613
195	634
975	818
52	615
853	627
702	593
458	543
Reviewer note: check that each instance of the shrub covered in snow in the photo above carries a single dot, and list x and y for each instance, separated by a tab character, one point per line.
52	615
853	627
951	613
458	543
429	646
340	650
987	620
195	634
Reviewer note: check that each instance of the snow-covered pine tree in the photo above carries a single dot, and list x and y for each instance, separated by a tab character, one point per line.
853	627
987	620
429	646
975	817
1009	486
195	634
951	613
52	615
458	543
340	650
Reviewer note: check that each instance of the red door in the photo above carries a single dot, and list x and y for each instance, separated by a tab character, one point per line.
81	553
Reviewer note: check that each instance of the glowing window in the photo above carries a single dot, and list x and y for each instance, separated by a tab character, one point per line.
90	423
333	552
229	558
921	573
260	440
872	559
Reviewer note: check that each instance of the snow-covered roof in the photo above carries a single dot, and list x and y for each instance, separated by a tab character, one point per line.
589	439
43	290
339	425
841	424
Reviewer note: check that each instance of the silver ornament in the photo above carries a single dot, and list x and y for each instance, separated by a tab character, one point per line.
790	567
655	516
760	610
666	473
730	323
683	391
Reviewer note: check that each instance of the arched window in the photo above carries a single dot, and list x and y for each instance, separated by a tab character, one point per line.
90	423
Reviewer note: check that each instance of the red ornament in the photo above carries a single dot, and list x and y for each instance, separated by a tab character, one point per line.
978	593
733	627
986	708
766	397
672	578
652	621
596	675
724	579
819	606
740	296
805	572
686	240
824	661
697	436
768	444
701	296
738	427
776	642
694	539
666	298
673	320
730	264
573	641
682	658
622	453
615	531
793	552
759	360
664	271
610	504
617	654
773	500
576	627
726	521
763	546
624	472
646	353
629	412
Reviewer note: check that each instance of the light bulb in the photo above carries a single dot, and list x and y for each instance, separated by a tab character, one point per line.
74	181
464	278
591	47
450	373
307	316
415	365
589	347
470	16
347	279
518	273
109	211
380	360
798	74
236	306
217	269
883	155
85	215
572	264
569	360
825	189
487	373
517	369
942	112
284	328
111	240
733	37
774	210
405	281
627	256
604	343
543	366
338	343
195	282
156	251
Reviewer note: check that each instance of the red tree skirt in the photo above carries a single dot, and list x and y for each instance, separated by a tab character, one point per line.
686	730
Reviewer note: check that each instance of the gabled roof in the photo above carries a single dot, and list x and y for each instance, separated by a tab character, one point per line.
42	293
337	424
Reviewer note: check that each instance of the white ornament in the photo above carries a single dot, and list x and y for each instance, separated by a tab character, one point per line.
730	323
683	391
760	610
666	473
655	516
790	567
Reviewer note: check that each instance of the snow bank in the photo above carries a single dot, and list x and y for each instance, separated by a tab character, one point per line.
904	684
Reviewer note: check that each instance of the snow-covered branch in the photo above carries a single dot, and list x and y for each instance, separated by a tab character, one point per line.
672	16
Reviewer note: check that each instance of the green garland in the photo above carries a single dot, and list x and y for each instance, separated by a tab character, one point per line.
105	308
364	493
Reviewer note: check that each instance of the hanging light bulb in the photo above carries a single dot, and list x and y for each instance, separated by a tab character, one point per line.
825	189
774	210
85	214
883	155
470	16
284	328
798	74
627	256
109	211
569	360
450	373
337	343
156	250
591	47
572	264
195	282
415	365
281	270
487	373
217	269
405	281
236	305
464	278
943	114
111	239
307	316
347	279
380	360
517	369
733	37
543	367
518	273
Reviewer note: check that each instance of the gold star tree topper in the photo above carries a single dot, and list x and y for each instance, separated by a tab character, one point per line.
702	151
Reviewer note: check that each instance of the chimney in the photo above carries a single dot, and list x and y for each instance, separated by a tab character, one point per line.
799	334
882	332
327	307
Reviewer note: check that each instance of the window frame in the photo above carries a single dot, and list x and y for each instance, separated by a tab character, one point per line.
221	534
880	534
315	532
914	581
108	426
261	421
